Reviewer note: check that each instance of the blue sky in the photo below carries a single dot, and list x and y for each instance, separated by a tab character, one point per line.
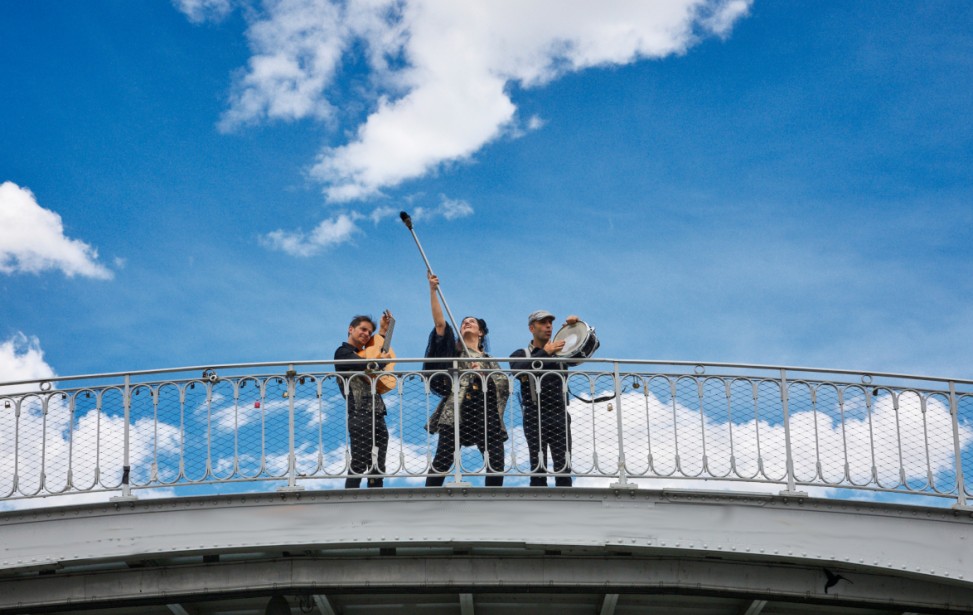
211	181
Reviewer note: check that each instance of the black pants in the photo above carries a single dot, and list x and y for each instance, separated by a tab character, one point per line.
478	426
548	429
364	434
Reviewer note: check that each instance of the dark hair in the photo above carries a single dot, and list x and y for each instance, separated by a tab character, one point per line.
357	320
483	329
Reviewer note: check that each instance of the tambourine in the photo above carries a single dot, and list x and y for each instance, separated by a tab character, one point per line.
579	340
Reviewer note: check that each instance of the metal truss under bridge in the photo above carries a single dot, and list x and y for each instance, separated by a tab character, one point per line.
697	488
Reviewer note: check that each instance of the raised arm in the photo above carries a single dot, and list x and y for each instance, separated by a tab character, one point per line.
437	311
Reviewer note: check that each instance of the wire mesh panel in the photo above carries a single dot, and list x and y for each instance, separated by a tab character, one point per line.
593	409
83	438
56	468
29	437
716	434
771	432
334	427
8	446
742	417
414	444
964	429
168	460
144	434
110	437
542	425
941	456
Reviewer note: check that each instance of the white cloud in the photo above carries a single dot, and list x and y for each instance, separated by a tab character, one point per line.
54	451
381	213
451	209
884	442
32	239
21	358
329	233
342	228
199	11
441	71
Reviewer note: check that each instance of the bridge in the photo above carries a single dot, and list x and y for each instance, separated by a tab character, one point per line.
698	488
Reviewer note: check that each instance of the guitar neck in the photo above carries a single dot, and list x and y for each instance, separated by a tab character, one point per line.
388	335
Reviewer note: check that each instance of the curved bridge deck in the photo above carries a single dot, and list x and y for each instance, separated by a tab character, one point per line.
501	550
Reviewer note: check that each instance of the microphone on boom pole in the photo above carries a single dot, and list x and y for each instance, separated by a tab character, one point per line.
407	220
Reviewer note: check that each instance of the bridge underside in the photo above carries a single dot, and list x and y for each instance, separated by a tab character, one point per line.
487	551
476	581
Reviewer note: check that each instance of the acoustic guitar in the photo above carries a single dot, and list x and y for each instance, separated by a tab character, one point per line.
373	350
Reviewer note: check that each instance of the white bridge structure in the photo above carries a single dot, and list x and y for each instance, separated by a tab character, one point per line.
699	488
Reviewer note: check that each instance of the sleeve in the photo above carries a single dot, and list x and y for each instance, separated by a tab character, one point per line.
440	346
344	353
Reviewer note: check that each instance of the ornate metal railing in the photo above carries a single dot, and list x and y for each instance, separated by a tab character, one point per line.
825	432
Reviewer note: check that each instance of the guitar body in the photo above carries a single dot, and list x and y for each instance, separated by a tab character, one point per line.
372	351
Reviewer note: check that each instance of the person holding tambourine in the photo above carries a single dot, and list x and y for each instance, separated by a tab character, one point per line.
547	424
482	391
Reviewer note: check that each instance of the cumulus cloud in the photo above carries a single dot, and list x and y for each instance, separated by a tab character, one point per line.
440	72
881	442
199	11
329	233
342	228
450	209
32	239
21	358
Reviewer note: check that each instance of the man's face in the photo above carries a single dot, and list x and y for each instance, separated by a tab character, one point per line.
359	335
542	329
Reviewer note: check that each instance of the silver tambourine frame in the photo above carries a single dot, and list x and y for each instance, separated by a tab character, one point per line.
588	342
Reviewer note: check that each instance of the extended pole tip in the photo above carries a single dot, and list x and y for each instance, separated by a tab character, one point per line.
406	220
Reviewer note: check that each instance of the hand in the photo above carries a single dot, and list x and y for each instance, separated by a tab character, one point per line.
572	319
433	281
384	355
383	325
554	347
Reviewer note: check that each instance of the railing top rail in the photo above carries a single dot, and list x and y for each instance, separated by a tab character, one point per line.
400	360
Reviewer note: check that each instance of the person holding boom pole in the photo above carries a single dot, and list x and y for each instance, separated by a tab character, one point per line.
482	393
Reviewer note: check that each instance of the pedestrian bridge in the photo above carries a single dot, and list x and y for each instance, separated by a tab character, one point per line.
700	488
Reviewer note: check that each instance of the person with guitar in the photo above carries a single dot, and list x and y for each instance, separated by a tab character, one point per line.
367	431
482	391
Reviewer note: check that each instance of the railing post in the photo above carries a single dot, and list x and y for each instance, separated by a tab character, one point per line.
791	490
126	444
960	482
291	443
622	470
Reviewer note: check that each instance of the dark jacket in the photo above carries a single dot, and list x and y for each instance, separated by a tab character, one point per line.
542	385
360	397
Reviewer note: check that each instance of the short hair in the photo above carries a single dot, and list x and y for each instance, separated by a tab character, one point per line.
359	319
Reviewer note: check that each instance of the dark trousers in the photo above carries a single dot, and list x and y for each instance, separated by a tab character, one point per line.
478	427
548	430
366	433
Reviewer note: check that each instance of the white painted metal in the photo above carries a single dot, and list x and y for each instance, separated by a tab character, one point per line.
38	427
749	544
608	604
323	604
756	607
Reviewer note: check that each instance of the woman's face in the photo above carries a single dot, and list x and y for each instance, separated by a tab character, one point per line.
471	325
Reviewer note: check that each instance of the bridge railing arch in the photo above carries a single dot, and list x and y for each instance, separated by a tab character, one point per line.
284	425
